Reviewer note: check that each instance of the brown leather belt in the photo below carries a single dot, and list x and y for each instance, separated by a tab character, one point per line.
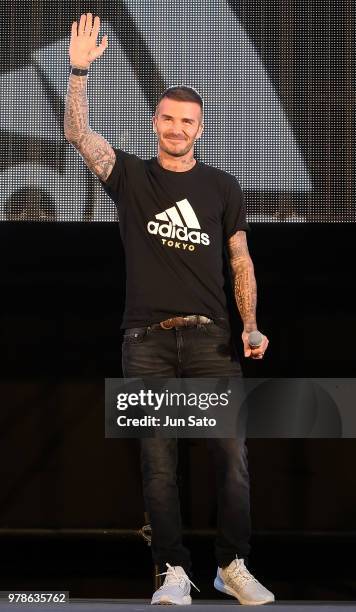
185	321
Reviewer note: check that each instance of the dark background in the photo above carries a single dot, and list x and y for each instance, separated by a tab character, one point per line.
70	501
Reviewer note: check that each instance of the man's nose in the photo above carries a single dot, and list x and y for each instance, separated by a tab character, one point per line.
176	127
176	133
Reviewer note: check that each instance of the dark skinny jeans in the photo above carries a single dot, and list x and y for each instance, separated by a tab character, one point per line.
191	352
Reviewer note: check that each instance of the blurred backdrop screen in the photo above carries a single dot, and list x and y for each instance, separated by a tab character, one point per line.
276	77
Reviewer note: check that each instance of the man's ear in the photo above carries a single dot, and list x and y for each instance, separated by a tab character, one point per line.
201	131
153	123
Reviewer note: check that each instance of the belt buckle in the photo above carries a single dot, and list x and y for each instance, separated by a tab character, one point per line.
166	324
203	320
185	321
190	320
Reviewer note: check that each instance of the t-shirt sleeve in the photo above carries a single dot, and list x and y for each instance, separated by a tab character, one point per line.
234	215
116	182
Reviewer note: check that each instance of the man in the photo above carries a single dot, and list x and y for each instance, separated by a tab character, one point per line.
176	216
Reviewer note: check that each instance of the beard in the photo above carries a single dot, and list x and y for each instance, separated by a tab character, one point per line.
176	150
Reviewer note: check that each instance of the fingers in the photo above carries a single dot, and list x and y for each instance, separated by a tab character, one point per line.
82	22
98	51
86	25
74	29
104	43
255	353
260	351
96	28
247	350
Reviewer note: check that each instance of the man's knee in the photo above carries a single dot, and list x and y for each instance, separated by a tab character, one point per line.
159	458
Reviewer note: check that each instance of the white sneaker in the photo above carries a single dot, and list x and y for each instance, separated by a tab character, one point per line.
175	589
236	580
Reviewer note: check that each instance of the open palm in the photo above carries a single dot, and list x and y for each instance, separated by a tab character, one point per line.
83	49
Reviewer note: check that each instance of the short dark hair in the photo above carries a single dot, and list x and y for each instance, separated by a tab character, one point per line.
182	93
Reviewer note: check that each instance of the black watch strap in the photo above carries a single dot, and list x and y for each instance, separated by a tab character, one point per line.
79	71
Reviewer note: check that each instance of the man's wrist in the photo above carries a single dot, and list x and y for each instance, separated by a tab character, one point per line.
79	70
250	327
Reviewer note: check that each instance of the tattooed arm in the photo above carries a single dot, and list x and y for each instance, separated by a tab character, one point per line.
245	290
97	153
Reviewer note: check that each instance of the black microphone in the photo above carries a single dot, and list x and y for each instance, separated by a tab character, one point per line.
255	339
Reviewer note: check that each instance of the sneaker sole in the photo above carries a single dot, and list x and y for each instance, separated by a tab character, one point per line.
166	601
223	588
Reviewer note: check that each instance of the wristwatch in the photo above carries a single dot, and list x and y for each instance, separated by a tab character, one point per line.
79	71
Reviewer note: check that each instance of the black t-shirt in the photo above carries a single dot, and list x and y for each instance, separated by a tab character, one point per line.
173	226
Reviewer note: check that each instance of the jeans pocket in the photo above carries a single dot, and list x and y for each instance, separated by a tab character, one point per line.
217	331
135	335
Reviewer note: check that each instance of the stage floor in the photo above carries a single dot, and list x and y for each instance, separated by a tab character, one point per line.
143	605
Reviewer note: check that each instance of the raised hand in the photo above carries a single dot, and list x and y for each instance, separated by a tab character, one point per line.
83	49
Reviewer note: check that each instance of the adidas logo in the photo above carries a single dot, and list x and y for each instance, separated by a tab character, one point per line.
179	227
